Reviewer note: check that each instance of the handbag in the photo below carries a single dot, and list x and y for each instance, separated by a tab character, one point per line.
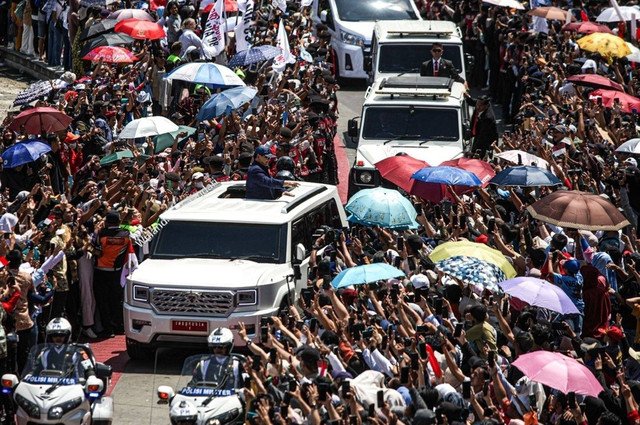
20	9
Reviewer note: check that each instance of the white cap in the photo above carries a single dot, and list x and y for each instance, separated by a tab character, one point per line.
589	64
631	161
197	176
419	281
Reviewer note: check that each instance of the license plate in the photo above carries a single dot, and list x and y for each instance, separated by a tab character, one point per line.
189	326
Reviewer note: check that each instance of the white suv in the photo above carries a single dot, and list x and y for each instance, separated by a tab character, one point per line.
219	259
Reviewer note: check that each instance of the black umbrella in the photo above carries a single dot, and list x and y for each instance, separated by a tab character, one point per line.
108	39
105	25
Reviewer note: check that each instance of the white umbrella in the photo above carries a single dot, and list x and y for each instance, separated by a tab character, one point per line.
635	52
610	14
150	126
630	146
512	4
518	156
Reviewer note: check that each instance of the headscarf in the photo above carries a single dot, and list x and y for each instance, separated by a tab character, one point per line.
600	261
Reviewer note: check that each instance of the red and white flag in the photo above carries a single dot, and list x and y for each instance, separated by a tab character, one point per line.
280	62
130	265
213	39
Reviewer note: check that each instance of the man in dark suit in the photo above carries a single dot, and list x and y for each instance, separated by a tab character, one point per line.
438	66
483	126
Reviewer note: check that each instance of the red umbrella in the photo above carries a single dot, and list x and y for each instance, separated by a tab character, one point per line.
482	169
399	169
586	27
627	102
111	54
141	30
229	6
41	120
139	14
596	81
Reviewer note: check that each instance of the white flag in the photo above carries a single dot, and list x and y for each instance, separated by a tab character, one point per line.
213	38
306	3
243	29
280	62
280	4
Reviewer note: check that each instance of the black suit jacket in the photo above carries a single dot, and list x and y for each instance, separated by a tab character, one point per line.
447	69
486	131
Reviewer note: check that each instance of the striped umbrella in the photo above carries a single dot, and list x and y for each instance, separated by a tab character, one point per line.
35	90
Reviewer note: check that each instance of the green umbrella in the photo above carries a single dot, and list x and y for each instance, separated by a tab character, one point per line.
164	141
116	156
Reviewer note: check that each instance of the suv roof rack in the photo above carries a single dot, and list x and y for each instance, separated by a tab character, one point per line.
416	86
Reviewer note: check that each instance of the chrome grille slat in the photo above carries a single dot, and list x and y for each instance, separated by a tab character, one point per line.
197	303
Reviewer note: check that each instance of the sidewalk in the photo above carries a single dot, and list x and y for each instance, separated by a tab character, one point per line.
28	65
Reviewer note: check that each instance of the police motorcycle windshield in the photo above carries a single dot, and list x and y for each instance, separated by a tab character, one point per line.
55	364
207	375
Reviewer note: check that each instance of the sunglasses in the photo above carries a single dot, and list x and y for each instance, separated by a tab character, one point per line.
436	50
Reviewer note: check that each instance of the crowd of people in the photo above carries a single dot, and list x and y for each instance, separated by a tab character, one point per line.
426	348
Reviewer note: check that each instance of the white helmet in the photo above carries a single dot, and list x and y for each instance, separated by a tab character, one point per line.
59	326
221	337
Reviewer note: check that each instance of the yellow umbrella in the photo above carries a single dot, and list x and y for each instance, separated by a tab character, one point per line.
550	13
475	250
605	44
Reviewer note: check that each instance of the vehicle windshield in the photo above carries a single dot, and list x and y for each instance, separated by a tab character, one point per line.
374	10
399	58
205	375
187	239
50	364
425	123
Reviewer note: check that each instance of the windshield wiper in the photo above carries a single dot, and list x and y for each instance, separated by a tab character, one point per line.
439	138
251	257
62	378
409	71
403	137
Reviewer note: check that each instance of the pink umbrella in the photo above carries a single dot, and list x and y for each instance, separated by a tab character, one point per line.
627	102
558	371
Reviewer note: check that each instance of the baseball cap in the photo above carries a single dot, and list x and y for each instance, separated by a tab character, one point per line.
262	150
197	176
631	161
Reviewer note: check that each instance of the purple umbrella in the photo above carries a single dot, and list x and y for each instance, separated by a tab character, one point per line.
540	293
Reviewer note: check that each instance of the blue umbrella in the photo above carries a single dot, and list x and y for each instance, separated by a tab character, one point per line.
447	175
525	176
367	273
355	220
255	55
210	74
382	207
24	153
219	103
470	270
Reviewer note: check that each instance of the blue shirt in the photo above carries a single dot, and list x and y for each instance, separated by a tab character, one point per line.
260	185
572	286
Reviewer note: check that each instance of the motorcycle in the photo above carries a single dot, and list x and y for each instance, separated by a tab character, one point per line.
213	401
69	395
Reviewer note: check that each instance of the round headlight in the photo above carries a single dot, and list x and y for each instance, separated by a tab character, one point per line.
56	412
366	177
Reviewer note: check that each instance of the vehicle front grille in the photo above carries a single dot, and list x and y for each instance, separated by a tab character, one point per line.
200	303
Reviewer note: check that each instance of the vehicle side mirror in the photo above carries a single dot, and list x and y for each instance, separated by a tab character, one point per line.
368	64
103	371
94	387
165	394
323	16
9	382
352	128
301	252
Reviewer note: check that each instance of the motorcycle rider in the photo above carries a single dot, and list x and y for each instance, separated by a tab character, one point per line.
60	354
220	367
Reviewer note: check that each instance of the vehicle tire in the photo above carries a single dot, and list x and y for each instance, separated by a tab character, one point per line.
139	351
100	422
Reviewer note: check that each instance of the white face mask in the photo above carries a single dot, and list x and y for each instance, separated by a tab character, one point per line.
199	185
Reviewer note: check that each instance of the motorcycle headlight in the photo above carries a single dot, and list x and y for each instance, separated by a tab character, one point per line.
349	38
57	411
224	418
28	406
365	177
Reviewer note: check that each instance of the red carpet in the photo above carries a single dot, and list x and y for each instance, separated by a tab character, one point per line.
112	352
343	168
